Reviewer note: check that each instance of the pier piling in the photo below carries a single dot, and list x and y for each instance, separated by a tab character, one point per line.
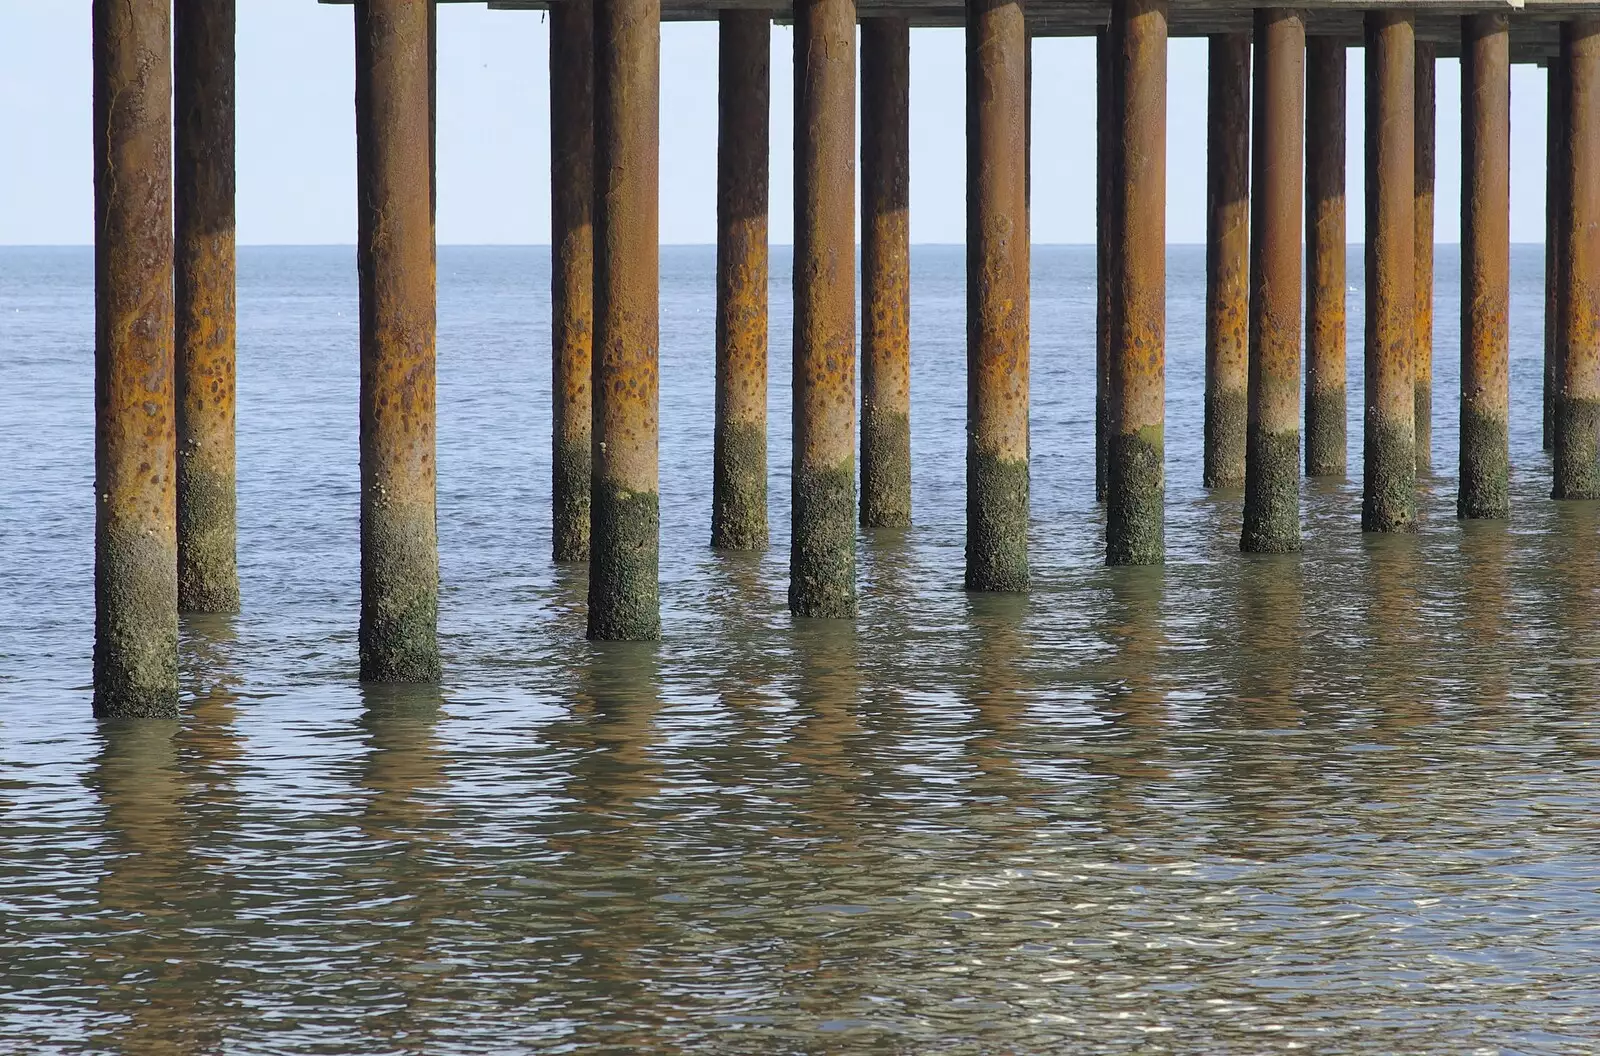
1425	111
1135	444
572	183
204	291
1554	230
822	560
394	252
1272	469
1227	258
1105	144
1389	459
625	503
1577	424
997	297
136	548
1485	265
739	462
885	273
1325	258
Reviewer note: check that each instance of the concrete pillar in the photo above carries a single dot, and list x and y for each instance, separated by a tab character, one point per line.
1422	285
1272	470
822	557
394	254
1485	265
1577	425
572	176
1554	226
136	546
885	273
1227	257
739	462
625	504
997	296
203	283
1389	462
1325	257
1135	445
1105	143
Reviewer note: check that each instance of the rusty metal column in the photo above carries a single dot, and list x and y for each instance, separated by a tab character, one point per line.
1485	265
822	554
885	273
1135	444
136	546
394	253
625	542
1422	285
1554	226
203	283
997	296
1105	143
1227	257
572	182
1325	257
1272	470
1388	501
1577	439
739	462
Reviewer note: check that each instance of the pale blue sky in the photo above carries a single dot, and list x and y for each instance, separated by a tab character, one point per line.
297	140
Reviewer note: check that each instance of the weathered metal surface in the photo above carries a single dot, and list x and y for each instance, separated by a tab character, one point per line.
739	459
204	292
625	532
997	297
1425	112
822	561
1389	462
136	548
1485	266
572	176
885	273
1272	469
1577	439
1325	258
1227	258
1105	141
394	253
1135	446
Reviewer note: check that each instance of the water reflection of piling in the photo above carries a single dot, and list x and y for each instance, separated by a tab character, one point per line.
822	558
739	458
1485	266
1577	419
1135	444
1325	257
885	273
152	884
203	285
1389	471
625	507
1424	111
571	273
1272	456
394	248
1227	257
997	297
136	592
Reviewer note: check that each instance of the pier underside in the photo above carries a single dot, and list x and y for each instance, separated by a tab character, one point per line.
1535	25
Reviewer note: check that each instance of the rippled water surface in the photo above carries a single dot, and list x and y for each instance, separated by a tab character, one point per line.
1343	801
